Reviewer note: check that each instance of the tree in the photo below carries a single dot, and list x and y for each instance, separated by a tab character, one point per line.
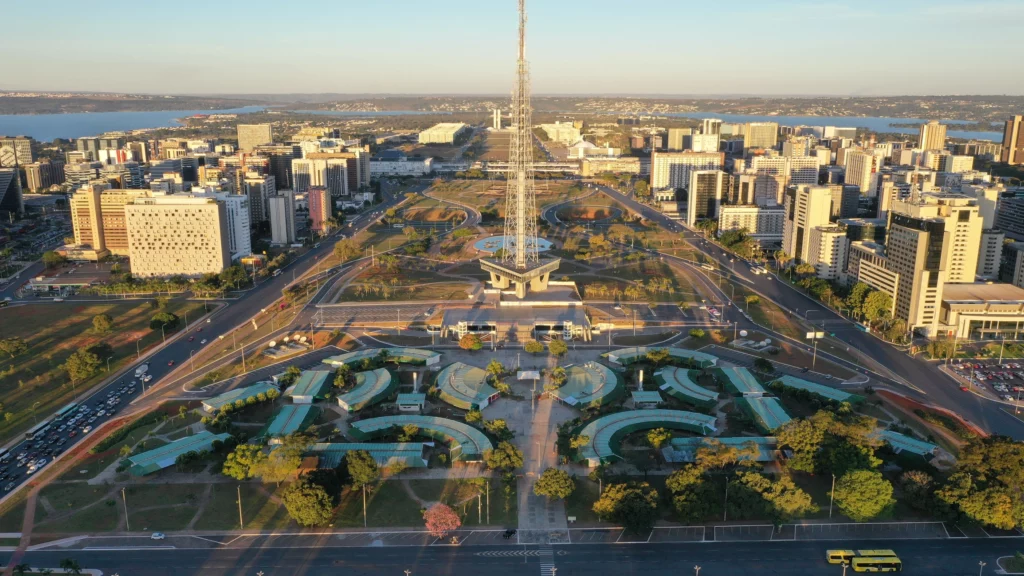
244	462
495	369
697	333
917	487
855	299
558	348
291	374
987	484
283	462
470	342
579	441
81	365
52	259
474	416
22	569
102	323
752	299
804	437
554	483
13	346
658	437
840	455
658	356
345	377
533	347
642	189
499	427
234	276
362	468
308	503
165	320
764	365
440	519
634	505
557	379
505	457
692	495
805	269
347	249
877	305
863	494
409	431
70	566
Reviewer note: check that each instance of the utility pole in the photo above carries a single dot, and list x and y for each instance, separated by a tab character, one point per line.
832	497
124	499
241	523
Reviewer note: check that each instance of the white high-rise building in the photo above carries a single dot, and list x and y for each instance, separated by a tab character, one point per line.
803	170
761	135
672	169
990	255
762	223
711	126
932	136
177	234
862	171
282	218
807	207
258	188
704	142
330	173
829	247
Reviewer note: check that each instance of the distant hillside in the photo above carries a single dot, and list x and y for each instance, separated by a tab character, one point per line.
115	103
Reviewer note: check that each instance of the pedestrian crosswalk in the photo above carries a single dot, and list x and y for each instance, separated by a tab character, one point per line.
547	561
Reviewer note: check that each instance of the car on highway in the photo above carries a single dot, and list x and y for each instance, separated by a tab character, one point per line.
147	378
191	338
9	487
157	536
87	429
203	341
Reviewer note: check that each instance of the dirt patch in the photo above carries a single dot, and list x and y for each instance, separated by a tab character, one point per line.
588	213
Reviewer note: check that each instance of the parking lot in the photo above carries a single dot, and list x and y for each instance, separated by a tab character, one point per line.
1005	381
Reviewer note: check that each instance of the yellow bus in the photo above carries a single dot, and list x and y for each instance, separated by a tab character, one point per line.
839	556
877	564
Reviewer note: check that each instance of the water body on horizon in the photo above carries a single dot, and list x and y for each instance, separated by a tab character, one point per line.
46	127
875	124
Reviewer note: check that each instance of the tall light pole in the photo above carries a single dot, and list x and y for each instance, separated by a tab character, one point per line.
845	564
241	522
981	567
831	498
138	350
815	336
696	571
124	499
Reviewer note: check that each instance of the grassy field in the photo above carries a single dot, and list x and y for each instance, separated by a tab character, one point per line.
33	385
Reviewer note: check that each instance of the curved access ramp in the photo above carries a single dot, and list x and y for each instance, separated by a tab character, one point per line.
682	384
467	444
607	432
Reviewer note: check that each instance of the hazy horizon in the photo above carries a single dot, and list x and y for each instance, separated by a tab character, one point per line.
459	47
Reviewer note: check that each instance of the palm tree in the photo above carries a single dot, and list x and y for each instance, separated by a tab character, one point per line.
21	569
70	565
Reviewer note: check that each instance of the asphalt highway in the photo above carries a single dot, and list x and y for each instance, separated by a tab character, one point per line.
920	557
937	387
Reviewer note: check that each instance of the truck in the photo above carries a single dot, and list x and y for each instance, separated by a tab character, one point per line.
141	370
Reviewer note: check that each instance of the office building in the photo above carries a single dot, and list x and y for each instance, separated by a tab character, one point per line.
704	142
676	137
1012	151
807	207
139	151
711	126
11	198
325	170
704	194
319	201
982	311
763	223
987	198
830	132
258	189
167	169
252	135
282	218
794	147
125	175
990	254
956	164
496	119
357	166
81	173
446	133
961	221
1012	268
16	151
1010	217
562	132
865	229
828	249
932	136
592	166
98	219
761	135
395	163
803	170
862	171
279	158
672	169
171	235
43	174
845	201
90	147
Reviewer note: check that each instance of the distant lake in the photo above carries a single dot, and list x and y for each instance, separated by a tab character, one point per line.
46	127
874	124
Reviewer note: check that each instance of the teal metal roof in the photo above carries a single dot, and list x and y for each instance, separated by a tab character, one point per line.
385	454
679	383
371	387
819	389
607	432
464	386
635	353
646	397
289	419
218	402
310	383
590	384
767	412
685	449
411	399
164	456
903	443
741	381
466	442
401	355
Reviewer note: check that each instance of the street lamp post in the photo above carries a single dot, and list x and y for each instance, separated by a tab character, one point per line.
696	571
138	350
831	498
981	567
163	334
124	499
845	564
191	359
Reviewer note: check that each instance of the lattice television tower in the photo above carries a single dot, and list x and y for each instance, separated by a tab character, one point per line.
520	262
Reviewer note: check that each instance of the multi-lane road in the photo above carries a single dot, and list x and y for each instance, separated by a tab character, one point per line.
320	556
937	387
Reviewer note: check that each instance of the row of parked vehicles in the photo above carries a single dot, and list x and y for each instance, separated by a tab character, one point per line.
1003	379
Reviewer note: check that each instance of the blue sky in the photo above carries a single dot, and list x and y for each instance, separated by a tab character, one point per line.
863	47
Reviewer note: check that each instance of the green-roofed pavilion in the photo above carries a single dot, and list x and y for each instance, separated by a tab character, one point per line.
903	443
385	454
626	356
606	433
767	413
217	402
289	419
740	381
165	456
416	356
465	386
309	386
681	383
467	444
371	387
590	385
685	449
826	392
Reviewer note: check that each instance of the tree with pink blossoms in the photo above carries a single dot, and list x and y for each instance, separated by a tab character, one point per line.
441	520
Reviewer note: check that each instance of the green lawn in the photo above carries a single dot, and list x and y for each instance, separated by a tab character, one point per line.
12	518
221	512
161	519
448	290
65	497
100	517
52	333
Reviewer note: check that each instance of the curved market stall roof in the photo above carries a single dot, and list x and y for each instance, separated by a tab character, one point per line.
371	387
465	386
466	442
680	383
636	353
607	432
590	384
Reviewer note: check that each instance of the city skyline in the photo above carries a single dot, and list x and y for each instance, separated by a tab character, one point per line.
686	50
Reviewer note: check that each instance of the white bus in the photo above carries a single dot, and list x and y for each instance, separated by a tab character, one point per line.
65	411
38	430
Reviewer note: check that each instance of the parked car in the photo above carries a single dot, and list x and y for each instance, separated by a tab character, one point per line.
157	536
